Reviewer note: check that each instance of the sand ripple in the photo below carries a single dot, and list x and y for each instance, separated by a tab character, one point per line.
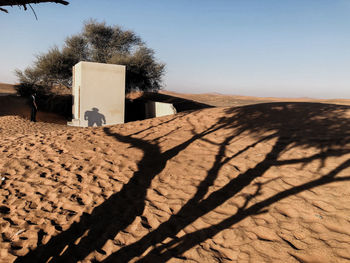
266	183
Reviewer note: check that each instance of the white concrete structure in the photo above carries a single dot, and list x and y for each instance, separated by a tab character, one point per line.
98	94
158	109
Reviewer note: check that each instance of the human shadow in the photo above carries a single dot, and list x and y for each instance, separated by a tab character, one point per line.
94	117
287	125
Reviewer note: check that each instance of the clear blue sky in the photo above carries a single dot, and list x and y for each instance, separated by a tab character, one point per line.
289	48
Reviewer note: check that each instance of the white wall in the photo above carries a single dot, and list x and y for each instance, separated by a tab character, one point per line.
159	109
99	94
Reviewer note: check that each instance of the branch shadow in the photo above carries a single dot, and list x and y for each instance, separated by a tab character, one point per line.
104	223
321	126
178	246
276	118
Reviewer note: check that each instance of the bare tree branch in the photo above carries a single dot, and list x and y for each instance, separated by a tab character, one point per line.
23	2
36	17
28	2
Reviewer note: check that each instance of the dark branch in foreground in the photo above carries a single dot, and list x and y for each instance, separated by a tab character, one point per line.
24	3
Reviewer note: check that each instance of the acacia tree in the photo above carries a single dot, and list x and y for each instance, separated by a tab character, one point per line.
97	42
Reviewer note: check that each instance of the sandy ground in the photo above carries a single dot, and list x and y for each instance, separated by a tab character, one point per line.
220	100
6	89
258	183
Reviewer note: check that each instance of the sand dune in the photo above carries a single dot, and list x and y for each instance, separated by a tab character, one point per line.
259	183
221	100
7	89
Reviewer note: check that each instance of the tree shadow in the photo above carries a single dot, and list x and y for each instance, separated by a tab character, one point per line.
280	120
321	126
102	226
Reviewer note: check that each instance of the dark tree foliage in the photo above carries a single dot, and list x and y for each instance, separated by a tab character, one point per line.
97	42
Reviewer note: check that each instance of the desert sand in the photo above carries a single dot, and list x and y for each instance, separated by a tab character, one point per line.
266	182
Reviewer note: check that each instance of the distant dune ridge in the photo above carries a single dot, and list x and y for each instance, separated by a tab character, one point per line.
267	182
6	89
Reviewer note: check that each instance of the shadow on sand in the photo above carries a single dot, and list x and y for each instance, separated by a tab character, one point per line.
288	125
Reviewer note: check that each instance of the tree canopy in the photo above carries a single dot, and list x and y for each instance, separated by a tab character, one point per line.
97	42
